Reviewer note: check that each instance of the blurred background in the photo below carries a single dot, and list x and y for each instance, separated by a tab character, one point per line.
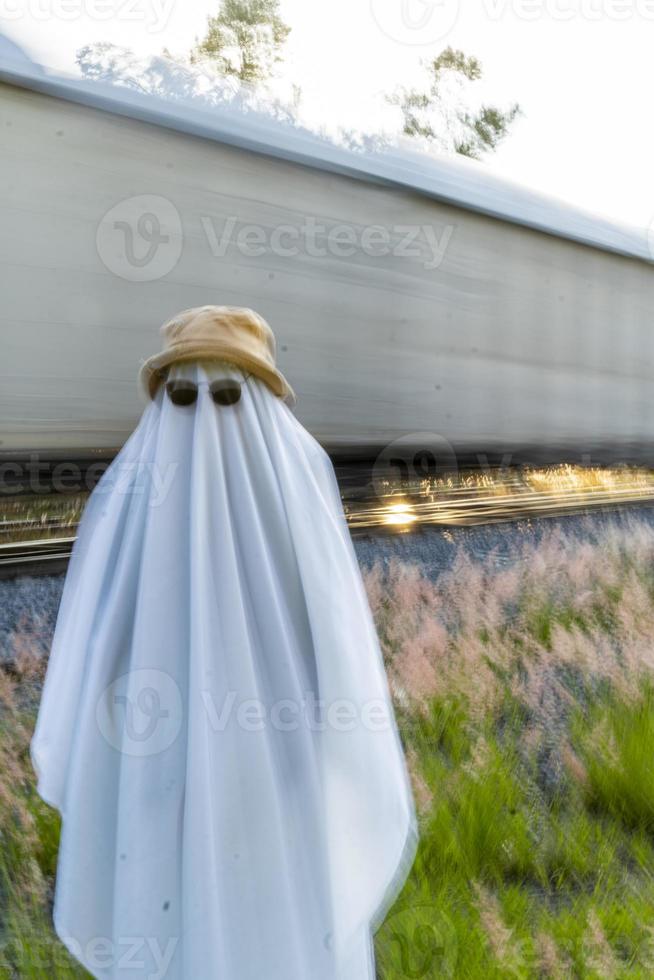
445	212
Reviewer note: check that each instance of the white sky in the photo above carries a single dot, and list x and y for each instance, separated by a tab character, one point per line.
580	69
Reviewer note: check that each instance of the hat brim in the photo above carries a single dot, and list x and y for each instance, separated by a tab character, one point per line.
151	376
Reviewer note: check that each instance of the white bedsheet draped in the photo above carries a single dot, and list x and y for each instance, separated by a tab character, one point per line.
215	726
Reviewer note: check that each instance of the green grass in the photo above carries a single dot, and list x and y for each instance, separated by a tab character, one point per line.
528	721
525	698
29	838
512	882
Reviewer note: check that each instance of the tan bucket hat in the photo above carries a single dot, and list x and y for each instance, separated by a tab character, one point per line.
223	333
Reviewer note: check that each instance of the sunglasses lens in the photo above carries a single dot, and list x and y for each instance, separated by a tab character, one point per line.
225	392
182	392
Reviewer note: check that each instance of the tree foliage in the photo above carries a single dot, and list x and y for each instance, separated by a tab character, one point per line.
244	39
177	81
438	112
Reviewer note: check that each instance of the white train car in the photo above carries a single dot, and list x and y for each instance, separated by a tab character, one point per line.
407	294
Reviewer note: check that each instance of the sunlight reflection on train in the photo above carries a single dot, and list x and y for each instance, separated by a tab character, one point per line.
471	498
394	506
400	514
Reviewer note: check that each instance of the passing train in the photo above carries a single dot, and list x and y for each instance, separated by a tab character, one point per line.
409	294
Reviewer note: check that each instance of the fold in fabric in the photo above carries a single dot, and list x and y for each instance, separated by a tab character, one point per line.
216	727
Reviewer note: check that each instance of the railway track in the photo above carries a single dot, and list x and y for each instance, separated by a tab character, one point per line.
47	556
472	502
37	531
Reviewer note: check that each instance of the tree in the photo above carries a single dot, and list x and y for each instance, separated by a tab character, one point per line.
244	40
440	116
175	80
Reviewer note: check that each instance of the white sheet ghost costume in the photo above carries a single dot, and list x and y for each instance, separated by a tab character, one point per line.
215	726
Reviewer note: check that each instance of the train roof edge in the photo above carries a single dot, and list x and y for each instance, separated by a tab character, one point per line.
456	181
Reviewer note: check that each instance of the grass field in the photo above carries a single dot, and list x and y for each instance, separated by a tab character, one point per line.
525	697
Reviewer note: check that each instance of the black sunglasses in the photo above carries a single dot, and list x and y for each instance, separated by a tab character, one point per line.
224	391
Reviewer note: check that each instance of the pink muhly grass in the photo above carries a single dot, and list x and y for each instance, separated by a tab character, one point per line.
564	606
